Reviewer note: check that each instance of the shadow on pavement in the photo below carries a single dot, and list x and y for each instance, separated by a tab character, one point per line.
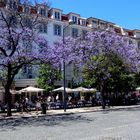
15	124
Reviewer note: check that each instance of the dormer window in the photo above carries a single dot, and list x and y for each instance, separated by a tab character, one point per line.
137	34
102	25
83	22
57	15
26	10
94	23
42	12
74	19
111	26
117	30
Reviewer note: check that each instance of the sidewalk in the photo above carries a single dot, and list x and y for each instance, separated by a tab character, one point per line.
68	111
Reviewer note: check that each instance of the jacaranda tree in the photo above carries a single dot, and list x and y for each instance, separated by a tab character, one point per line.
113	58
20	44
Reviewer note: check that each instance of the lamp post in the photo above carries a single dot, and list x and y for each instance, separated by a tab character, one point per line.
64	70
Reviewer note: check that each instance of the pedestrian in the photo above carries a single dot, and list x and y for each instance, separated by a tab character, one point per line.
38	105
17	106
24	105
57	98
49	99
0	104
44	106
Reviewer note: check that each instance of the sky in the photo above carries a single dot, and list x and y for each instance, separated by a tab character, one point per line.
125	13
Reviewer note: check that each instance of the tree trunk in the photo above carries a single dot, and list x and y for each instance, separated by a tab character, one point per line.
8	100
103	100
10	76
102	96
9	81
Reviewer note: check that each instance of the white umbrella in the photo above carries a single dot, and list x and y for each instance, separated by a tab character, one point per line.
61	89
92	89
138	88
82	89
31	89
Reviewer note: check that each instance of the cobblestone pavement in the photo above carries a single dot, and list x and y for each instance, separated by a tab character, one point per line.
103	125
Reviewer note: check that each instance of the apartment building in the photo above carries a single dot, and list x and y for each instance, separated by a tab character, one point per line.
53	23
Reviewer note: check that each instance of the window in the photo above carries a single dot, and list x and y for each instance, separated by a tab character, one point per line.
29	74
43	28
26	10
57	15
74	19
130	41
138	34
12	5
139	44
102	25
27	22
74	32
29	69
42	12
24	69
40	29
12	20
57	29
111	27
84	32
28	46
94	23
83	22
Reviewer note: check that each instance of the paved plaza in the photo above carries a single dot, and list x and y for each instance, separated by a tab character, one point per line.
117	124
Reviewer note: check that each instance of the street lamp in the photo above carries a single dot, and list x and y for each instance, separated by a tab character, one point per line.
64	70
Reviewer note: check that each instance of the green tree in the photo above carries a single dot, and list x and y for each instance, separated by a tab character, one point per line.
137	80
47	76
109	74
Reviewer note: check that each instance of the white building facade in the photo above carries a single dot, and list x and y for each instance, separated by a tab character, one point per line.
53	23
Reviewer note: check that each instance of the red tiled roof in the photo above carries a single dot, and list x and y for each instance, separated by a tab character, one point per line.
130	33
2	4
49	15
20	8
64	18
117	30
33	11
